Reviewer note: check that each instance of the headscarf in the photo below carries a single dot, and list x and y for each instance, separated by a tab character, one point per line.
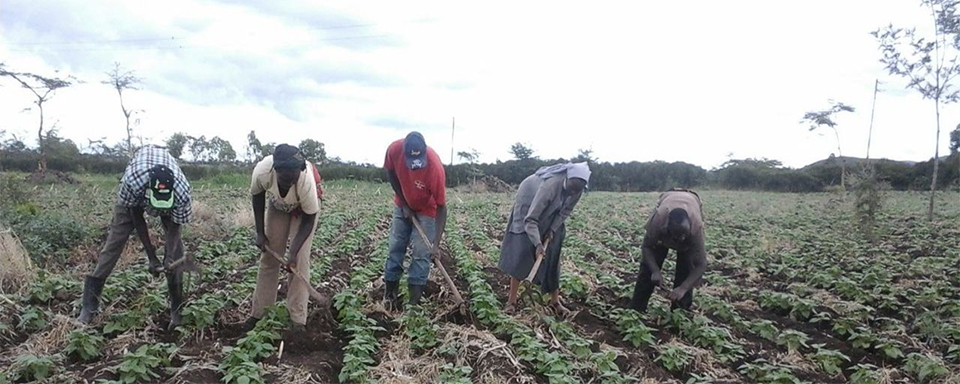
285	156
578	170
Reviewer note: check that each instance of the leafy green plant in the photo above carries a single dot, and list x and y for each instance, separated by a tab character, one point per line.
419	329
630	324
763	371
765	329
83	345
864	374
890	348
123	321
48	285
829	361
924	368
793	340
243	372
32	319
673	358
455	374
143	364
573	286
32	368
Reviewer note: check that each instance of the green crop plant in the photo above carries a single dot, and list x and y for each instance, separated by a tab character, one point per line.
32	319
29	368
123	321
455	374
793	340
764	328
864	374
143	364
419	329
829	361
924	368
673	358
83	345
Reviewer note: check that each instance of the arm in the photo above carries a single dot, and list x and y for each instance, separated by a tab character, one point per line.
259	205
140	224
174	242
441	227
395	183
532	221
565	212
698	256
306	226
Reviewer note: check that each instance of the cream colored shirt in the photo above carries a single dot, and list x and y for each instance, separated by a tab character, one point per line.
302	195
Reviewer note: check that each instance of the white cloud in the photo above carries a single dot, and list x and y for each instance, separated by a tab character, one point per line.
635	81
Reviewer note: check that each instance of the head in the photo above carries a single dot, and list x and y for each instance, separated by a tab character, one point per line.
415	151
288	163
576	185
578	176
678	225
160	194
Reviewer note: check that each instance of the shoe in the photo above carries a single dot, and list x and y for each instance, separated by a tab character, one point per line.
297	330
250	324
416	291
92	288
175	288
391	296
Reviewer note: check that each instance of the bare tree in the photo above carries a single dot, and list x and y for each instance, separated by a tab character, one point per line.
929	63
825	118
43	88
124	80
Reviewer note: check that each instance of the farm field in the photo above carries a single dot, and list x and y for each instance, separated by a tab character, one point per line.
793	293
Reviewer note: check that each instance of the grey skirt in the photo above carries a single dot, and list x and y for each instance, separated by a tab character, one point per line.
517	255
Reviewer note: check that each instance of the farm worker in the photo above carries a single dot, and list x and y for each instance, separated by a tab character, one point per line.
536	228
419	183
153	184
676	223
284	185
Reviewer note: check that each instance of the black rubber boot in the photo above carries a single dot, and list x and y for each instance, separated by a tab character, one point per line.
391	296
416	291
92	288
175	288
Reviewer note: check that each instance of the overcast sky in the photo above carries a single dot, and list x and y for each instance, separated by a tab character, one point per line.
693	81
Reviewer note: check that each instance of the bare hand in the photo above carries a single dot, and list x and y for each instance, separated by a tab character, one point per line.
657	279
261	242
541	251
676	294
291	263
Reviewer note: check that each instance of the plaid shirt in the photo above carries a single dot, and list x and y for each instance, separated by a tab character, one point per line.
133	185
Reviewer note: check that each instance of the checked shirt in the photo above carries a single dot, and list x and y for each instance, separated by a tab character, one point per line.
133	184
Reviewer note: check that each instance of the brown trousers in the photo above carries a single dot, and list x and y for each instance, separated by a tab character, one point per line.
121	227
281	227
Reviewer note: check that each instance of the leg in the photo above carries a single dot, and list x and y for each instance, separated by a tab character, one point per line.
277	227
645	287
511	306
120	229
422	255
400	229
173	251
684	266
298	296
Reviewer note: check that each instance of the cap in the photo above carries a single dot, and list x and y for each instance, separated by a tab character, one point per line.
415	151
160	190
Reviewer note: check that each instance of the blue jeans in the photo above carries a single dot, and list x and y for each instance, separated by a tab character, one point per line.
402	234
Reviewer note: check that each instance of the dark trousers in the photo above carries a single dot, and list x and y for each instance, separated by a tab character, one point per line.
645	287
121	227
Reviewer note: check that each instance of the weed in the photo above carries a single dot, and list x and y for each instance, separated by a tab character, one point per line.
83	345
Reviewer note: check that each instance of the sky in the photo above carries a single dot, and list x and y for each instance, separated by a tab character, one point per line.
695	81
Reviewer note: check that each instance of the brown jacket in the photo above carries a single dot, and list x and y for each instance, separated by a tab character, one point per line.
657	224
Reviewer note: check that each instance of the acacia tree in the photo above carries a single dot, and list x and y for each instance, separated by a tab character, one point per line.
313	151
124	80
43	89
176	143
470	156
521	152
929	61
825	118
254	147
